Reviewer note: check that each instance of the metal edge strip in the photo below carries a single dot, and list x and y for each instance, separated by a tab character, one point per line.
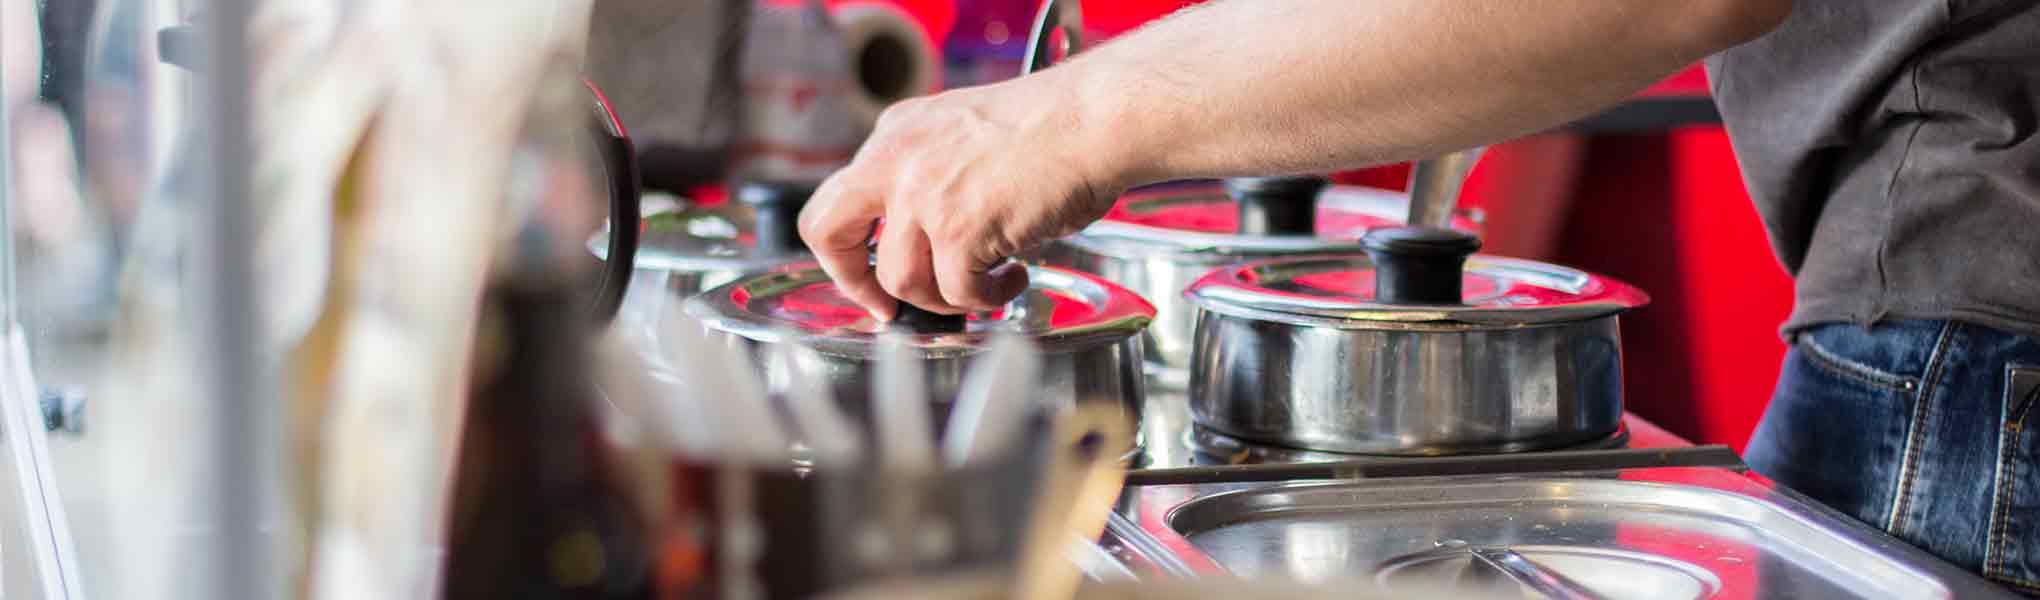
48	529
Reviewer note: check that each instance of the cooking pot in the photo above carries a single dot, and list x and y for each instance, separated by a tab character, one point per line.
703	246
1086	328
1410	349
1157	241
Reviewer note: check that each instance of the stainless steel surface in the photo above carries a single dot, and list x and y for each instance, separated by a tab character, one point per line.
1086	328
1529	574
1407	392
899	410
1169	432
1297	352
814	411
1158	242
1434	186
1514	570
1639	533
1382	467
699	247
992	406
1337	291
1220	448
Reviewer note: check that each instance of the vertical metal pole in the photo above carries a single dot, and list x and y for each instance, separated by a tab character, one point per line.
245	434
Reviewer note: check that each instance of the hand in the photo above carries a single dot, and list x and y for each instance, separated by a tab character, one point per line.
962	180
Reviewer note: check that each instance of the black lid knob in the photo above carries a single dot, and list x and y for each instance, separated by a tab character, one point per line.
1418	264
776	206
1277	205
914	319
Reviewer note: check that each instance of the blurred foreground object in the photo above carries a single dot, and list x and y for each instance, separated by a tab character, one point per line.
542	507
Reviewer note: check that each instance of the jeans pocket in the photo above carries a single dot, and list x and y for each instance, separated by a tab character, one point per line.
1836	430
1830	353
2012	554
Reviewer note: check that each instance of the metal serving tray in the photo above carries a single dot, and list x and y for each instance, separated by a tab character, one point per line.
1674	532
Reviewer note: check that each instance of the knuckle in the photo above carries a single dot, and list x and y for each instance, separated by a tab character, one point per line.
810	224
900	282
953	227
901	110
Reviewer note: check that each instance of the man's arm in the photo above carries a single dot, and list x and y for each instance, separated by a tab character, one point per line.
1238	87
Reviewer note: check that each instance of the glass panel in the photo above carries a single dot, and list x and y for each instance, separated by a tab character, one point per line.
91	116
106	245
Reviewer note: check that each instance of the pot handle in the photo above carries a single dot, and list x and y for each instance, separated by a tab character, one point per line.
626	194
1066	15
917	320
1418	264
1277	205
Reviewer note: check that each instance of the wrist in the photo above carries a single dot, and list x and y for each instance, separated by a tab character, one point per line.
1097	129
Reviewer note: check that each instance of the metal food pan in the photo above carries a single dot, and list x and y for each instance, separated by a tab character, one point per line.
1637	533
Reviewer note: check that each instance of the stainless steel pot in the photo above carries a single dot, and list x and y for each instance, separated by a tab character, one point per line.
702	246
1086	328
1159	240
1404	352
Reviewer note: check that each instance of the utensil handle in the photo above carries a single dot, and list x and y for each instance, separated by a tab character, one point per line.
1066	15
1078	484
1522	570
1277	205
1435	184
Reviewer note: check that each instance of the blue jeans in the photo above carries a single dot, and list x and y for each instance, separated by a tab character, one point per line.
1921	428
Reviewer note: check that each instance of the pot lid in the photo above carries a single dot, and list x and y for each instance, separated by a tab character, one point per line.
1061	310
1338	291
719	238
1200	218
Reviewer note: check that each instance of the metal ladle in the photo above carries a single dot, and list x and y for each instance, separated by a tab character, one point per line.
1435	184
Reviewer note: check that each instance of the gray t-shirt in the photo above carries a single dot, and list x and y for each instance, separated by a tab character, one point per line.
1893	150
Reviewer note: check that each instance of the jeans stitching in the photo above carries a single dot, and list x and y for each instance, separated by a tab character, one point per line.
1827	360
2017	582
2008	469
1922	411
2007	478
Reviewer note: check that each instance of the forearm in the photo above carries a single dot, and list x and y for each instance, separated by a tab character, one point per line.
1245	87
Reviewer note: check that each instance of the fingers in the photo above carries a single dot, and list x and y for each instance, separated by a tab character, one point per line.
835	225
906	267
970	282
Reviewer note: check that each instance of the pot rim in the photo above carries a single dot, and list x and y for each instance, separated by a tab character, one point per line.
676	241
1117	314
1233	291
